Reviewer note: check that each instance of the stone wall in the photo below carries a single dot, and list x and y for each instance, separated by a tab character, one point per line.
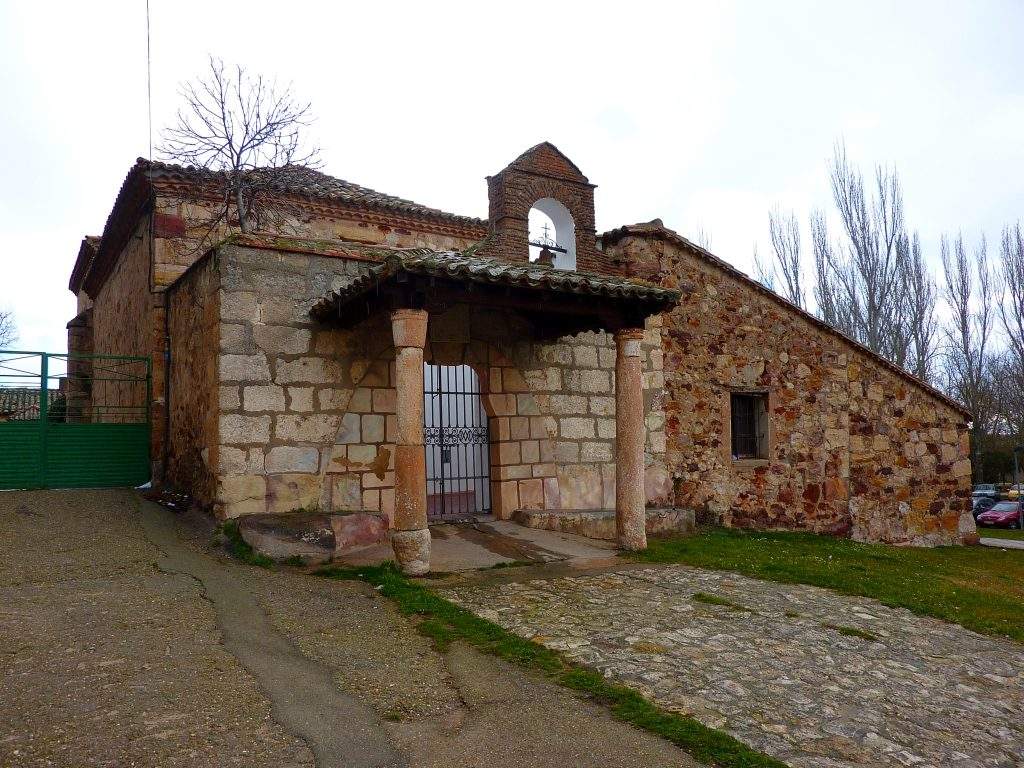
124	323
855	448
179	230
307	412
193	327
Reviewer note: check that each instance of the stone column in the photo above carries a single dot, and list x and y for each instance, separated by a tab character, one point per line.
410	538
630	515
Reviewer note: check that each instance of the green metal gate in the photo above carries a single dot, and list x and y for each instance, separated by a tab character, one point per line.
73	421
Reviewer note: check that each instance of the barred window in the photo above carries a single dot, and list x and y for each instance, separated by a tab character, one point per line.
749	425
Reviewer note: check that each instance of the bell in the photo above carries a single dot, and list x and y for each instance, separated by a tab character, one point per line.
545	257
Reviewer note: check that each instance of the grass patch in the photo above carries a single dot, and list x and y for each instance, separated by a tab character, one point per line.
1001	533
981	588
297	561
704	597
240	549
444	622
842	629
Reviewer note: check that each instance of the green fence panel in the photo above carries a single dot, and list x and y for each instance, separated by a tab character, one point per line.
20	451
96	455
73	421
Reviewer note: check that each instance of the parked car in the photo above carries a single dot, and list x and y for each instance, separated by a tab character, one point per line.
1014	491
985	489
1004	514
981	504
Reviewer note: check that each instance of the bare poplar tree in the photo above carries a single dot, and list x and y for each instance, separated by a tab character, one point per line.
787	267
921	298
702	238
763	273
8	330
1011	308
249	134
968	364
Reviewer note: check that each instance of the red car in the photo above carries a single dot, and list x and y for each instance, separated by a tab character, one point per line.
1005	514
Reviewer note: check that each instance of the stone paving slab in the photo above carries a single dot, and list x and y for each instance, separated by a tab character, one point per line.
922	693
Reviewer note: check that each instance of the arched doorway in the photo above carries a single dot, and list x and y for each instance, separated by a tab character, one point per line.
457	443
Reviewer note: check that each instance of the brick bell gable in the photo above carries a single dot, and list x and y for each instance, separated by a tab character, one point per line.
541	172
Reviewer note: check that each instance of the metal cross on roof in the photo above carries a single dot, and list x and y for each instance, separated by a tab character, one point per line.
546	241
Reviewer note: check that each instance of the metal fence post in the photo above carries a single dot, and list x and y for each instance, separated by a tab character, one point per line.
44	413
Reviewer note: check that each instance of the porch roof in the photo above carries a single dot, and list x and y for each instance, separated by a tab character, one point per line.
418	276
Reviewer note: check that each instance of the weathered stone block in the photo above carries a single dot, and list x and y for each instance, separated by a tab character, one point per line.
263	398
236	429
284	458
314	428
282	339
300	399
229	398
241	495
289	492
595	452
372	428
384	400
348	431
576	428
244	368
308	370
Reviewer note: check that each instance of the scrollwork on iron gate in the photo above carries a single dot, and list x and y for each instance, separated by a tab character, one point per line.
447	436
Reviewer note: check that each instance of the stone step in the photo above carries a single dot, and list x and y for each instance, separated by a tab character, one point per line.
315	537
600	523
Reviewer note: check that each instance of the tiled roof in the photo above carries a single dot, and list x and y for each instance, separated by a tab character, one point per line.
657	229
86	252
467	267
309	182
91	270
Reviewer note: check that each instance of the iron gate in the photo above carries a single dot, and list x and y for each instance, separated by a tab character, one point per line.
457	443
73	421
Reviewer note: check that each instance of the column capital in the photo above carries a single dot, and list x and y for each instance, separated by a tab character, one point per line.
629	333
409	327
628	341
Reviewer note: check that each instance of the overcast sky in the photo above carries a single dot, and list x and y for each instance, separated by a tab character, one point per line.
703	114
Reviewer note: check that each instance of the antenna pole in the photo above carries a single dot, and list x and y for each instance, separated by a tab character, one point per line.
149	87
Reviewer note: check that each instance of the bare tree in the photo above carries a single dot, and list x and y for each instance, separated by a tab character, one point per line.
8	330
921	298
872	282
763	273
249	135
702	238
787	268
1011	304
969	367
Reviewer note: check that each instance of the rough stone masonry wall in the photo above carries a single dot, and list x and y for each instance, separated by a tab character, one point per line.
306	412
178	226
193	325
123	324
855	449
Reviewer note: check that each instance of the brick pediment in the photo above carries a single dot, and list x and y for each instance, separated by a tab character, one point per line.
546	159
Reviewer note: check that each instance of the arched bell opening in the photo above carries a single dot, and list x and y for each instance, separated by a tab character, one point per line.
552	234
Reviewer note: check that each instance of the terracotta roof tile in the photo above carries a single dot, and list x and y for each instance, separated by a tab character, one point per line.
465	266
309	182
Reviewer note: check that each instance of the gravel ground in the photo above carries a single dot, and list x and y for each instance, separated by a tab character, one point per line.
109	660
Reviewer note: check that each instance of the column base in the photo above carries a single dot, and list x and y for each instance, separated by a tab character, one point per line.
631	531
412	551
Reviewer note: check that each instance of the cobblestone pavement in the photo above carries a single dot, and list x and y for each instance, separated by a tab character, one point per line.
776	669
